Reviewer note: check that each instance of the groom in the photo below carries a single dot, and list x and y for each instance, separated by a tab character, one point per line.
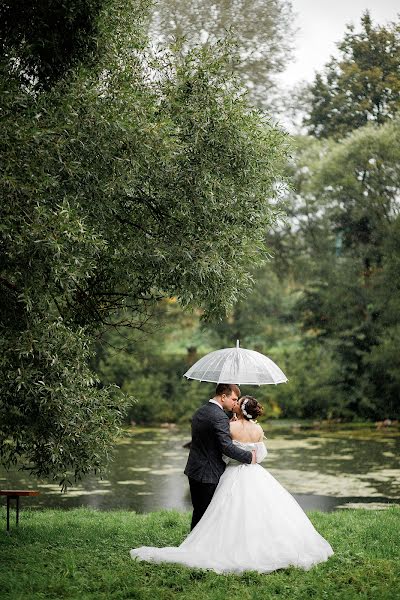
210	439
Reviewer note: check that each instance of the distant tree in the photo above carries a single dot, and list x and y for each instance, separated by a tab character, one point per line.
361	85
383	362
149	369
262	29
352	193
260	319
140	178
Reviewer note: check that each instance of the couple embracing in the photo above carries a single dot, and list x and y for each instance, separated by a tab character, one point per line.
243	519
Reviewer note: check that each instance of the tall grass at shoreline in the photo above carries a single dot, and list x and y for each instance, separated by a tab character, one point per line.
84	554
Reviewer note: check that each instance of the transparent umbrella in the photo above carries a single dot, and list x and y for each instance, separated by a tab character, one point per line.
236	365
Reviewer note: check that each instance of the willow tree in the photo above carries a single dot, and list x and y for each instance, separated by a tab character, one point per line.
133	178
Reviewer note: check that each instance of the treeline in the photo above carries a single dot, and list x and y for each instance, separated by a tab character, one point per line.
326	306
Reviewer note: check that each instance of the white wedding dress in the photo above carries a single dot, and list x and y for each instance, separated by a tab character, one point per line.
252	524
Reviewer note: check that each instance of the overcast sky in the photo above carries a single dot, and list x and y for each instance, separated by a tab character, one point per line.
321	23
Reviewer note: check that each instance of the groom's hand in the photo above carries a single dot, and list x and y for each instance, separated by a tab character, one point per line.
254	459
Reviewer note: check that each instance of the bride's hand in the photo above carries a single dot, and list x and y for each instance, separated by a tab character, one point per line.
254	459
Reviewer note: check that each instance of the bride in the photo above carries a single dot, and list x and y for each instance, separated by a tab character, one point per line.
252	522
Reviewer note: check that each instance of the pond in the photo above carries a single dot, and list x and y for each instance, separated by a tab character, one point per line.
324	470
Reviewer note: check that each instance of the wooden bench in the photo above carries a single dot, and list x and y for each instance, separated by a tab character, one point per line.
15	495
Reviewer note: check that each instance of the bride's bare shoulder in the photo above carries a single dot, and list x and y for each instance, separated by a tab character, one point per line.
234	425
246	431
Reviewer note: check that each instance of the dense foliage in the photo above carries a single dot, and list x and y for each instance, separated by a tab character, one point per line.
42	40
355	185
144	176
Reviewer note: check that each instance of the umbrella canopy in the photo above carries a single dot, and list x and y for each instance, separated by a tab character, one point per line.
236	365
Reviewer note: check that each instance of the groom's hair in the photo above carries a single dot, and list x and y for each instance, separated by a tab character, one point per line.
227	389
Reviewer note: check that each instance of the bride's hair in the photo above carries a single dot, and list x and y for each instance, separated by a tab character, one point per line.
253	408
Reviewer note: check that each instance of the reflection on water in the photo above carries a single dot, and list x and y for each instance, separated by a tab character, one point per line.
323	470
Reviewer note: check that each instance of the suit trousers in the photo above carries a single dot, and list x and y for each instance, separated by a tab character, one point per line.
201	494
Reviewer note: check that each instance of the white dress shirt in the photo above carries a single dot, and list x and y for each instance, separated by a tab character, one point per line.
215	402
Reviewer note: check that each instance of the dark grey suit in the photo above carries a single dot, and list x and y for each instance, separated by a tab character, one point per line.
211	439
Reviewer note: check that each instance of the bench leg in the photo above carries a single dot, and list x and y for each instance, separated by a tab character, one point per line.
8	513
17	507
9	498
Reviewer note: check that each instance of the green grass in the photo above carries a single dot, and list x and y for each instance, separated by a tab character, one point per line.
84	554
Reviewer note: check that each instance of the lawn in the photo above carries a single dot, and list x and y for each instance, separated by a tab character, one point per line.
84	554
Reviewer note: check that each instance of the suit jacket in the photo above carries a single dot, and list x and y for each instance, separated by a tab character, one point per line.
210	439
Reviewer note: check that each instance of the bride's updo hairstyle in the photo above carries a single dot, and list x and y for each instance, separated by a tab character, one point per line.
251	409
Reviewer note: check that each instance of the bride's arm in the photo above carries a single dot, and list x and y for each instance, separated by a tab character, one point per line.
261	448
261	452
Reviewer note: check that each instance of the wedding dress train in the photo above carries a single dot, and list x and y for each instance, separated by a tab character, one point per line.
252	524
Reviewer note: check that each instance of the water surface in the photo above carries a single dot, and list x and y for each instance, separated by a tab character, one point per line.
324	470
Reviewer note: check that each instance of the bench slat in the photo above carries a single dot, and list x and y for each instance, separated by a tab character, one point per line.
19	493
